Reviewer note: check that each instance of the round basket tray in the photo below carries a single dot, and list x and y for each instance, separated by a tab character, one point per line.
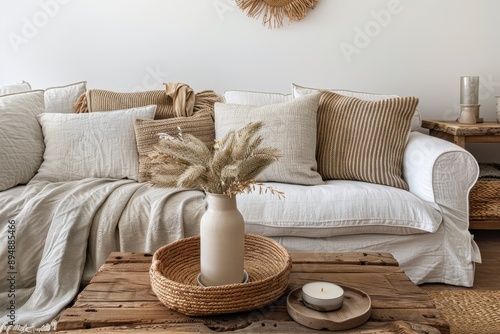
175	268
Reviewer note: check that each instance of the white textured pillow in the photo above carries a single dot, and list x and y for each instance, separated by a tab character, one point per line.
288	126
21	140
15	88
299	91
255	98
62	99
100	144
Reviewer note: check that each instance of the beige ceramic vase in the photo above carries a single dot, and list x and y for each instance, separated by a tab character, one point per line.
222	237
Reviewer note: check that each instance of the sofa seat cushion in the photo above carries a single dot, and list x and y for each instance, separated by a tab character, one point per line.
338	207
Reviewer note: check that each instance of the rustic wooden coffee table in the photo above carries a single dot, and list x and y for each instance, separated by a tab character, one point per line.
119	299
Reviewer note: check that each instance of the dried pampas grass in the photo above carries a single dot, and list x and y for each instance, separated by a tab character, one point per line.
229	168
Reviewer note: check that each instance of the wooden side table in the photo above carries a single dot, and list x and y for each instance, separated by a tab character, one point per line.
460	134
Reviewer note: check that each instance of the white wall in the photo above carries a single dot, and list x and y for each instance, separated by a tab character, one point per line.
402	47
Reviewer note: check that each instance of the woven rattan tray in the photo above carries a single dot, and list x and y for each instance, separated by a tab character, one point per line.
175	268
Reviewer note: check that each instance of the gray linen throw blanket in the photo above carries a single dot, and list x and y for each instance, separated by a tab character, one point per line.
63	232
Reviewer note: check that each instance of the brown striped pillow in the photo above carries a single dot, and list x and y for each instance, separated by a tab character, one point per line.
200	125
363	140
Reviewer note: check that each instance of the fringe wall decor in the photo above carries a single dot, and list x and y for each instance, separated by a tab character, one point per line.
274	11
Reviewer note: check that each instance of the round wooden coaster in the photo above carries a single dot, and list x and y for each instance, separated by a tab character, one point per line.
355	311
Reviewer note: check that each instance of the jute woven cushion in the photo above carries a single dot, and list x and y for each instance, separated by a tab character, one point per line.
104	100
363	140
200	125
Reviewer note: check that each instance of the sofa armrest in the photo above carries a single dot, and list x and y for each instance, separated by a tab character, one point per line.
441	172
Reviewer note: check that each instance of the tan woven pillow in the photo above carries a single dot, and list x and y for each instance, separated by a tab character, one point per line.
104	100
200	125
363	140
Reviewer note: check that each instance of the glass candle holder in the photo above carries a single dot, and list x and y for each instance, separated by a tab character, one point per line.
469	90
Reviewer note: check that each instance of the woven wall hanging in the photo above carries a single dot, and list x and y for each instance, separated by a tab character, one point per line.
274	11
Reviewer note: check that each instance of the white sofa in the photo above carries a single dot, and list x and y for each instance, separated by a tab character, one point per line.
425	228
64	224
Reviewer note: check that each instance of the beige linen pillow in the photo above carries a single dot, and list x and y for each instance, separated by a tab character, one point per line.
288	126
101	145
200	125
21	140
363	140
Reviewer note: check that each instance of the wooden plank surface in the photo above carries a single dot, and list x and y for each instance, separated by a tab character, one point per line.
265	326
484	224
119	299
355	258
458	129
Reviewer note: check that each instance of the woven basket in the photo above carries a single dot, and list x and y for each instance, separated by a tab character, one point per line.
175	268
484	197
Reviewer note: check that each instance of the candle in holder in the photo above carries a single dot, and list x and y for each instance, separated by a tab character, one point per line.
469	90
322	296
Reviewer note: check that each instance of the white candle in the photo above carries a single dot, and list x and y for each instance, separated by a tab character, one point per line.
322	296
469	90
